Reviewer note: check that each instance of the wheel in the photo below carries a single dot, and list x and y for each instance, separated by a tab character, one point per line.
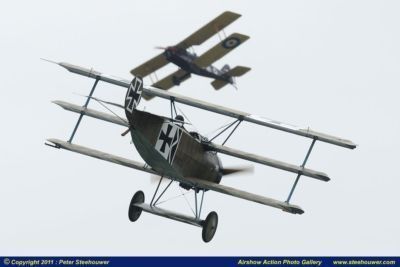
134	212
209	226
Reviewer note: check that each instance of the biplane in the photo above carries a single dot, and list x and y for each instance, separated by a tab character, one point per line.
187	158
189	63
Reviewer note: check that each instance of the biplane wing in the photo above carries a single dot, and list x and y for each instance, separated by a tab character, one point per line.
168	82
220	49
242	116
210	29
191	181
150	66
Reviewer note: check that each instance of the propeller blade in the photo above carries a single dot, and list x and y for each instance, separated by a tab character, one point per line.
237	170
160	47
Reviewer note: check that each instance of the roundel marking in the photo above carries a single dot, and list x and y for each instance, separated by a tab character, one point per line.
231	42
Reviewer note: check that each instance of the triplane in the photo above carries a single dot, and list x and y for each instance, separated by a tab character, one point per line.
188	158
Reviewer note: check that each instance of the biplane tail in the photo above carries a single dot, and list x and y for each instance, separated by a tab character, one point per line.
235	72
133	95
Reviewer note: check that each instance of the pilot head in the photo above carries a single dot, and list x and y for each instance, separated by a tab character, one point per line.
180	118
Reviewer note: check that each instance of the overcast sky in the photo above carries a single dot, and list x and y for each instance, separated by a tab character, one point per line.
330	65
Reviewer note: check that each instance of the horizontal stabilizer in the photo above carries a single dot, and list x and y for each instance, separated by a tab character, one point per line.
267	161
218	84
191	181
238	71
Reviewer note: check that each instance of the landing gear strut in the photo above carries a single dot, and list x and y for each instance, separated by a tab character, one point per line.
209	225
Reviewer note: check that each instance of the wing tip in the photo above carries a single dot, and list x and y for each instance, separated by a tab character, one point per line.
292	209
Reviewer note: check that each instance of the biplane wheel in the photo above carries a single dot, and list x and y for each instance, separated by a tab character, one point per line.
209	226
134	212
176	80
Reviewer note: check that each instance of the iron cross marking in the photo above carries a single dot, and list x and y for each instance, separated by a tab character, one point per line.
168	140
165	138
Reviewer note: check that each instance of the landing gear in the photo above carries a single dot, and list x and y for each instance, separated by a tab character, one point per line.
209	226
176	81
135	212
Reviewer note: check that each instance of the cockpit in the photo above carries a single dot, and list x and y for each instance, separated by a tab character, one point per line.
180	120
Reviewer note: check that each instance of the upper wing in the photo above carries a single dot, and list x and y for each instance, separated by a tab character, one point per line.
192	181
221	49
149	91
211	28
150	66
302	131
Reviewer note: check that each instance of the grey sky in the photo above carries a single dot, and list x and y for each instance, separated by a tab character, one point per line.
330	65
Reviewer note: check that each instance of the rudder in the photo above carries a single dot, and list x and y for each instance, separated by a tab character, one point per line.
133	94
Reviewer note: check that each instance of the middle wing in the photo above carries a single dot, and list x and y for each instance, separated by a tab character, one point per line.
208	145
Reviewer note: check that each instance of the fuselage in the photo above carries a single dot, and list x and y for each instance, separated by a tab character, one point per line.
185	60
171	150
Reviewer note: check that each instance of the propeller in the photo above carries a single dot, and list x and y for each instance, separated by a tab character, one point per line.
248	169
237	170
161	47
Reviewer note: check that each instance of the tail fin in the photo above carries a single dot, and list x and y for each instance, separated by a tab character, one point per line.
134	94
225	68
238	71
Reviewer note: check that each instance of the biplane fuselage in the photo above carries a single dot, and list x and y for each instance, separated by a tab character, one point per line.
171	150
185	60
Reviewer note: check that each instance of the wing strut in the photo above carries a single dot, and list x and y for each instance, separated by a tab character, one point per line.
237	122
84	106
299	174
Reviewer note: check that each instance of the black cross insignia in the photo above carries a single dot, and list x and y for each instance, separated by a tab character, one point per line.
165	138
133	94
